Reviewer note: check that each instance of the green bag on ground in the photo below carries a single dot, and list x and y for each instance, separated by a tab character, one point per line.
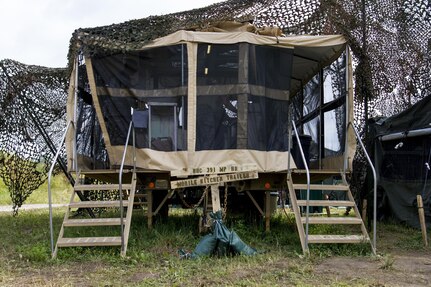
221	242
238	246
222	234
205	247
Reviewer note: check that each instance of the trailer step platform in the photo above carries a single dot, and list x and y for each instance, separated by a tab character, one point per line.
127	191
327	185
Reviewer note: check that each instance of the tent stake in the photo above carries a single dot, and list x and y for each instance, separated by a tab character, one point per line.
422	219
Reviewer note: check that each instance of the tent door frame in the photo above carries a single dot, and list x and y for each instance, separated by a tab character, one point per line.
175	122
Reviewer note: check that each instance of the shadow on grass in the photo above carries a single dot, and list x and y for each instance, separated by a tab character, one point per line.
27	237
152	258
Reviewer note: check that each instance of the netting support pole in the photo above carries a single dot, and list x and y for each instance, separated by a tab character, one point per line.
75	116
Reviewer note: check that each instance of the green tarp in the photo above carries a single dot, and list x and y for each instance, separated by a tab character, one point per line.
220	242
401	151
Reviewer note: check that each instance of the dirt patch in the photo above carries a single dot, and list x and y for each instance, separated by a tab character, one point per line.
404	270
141	276
79	274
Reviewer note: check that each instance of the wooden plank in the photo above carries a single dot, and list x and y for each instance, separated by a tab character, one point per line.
89	241
92	204
318	171
168	195
295	207
93	222
338	187
267	210
328	210
83	187
422	219
129	216
337	239
213	170
215	198
66	216
149	209
254	202
332	220
358	215
139	196
214	179
326	203
142	203
208	207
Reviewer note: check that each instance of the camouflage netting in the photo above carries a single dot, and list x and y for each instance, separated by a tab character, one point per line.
28	93
390	48
392	64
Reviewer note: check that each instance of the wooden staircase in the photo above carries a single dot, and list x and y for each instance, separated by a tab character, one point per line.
296	183
127	203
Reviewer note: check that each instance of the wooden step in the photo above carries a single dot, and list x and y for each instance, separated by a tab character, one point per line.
318	171
337	239
140	203
139	196
93	222
325	203
332	220
100	203
83	187
89	241
338	187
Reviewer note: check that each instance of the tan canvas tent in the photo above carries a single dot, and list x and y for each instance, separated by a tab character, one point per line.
209	113
209	99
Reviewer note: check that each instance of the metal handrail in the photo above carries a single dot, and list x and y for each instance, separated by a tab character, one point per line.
347	104
51	230
75	115
374	244
307	206
120	180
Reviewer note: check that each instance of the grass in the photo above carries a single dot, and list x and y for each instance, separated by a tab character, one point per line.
387	262
60	192
4	194
154	252
152	257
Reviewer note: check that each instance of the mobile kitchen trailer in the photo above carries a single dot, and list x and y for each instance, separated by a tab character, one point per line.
211	111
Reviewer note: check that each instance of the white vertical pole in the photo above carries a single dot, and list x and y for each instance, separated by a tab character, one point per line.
346	140
75	116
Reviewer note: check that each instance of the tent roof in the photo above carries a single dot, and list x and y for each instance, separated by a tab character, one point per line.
311	53
417	117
